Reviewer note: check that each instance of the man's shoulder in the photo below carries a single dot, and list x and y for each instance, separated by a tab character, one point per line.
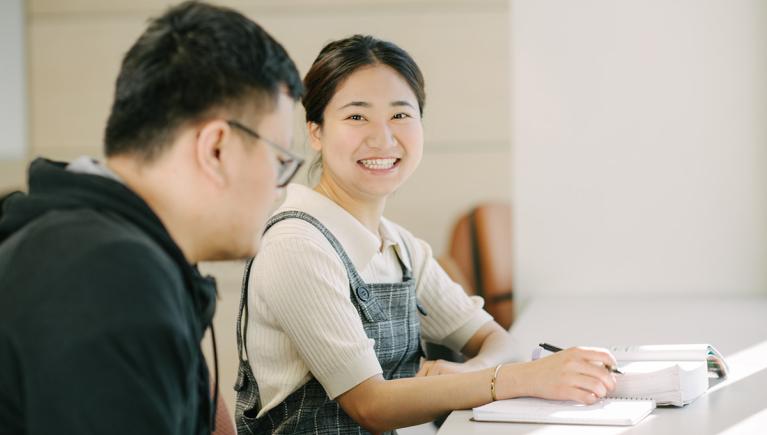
89	225
86	248
84	231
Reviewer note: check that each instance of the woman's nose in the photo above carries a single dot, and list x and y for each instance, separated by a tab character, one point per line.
382	137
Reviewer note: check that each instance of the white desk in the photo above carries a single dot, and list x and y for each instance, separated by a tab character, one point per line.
736	326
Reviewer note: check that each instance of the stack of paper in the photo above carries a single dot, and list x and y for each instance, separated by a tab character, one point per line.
667	382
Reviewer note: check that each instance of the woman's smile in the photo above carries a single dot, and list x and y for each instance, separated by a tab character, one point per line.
379	165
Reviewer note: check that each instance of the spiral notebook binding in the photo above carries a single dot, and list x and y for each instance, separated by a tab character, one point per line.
629	398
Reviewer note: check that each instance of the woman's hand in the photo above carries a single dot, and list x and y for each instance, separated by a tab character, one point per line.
577	373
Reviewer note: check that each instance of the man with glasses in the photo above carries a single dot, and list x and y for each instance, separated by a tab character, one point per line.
102	309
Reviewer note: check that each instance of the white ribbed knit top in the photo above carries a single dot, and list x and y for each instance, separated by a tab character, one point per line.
301	320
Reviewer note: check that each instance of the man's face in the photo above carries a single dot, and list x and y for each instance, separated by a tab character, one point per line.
253	189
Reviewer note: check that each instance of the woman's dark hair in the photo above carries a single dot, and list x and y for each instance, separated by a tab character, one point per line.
194	58
339	59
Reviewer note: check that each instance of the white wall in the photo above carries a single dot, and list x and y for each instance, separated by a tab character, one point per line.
639	146
13	140
12	87
461	46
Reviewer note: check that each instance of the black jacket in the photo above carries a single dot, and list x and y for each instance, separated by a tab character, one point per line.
101	316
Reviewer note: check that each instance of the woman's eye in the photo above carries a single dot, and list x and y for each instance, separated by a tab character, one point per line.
355	117
401	115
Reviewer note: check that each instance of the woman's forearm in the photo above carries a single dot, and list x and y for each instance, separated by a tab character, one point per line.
495	349
380	405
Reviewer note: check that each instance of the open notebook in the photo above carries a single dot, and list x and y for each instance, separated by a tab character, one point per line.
530	410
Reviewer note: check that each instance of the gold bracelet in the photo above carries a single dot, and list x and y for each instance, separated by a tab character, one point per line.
492	382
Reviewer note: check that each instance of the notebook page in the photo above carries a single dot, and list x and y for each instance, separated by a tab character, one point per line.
532	410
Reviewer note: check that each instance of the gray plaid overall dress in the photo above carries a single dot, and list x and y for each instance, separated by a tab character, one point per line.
389	316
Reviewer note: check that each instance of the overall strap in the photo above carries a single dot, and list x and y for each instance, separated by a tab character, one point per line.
242	312
351	271
407	275
407	271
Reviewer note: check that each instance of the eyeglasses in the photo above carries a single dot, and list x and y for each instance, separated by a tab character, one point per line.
289	162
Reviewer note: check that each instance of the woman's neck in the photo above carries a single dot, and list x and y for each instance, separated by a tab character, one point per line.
367	211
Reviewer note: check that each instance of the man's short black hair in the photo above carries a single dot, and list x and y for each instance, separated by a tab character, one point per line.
193	59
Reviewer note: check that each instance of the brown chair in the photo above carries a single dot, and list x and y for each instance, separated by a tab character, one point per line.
224	422
479	258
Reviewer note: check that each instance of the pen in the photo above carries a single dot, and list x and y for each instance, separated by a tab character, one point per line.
551	348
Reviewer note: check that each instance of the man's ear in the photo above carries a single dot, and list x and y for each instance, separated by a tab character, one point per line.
208	149
315	133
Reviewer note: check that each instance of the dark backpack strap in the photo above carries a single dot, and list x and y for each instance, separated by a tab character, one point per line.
476	261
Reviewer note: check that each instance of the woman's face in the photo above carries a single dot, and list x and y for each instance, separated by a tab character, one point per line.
372	137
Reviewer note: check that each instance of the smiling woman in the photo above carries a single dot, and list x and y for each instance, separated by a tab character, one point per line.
370	140
339	298
338	60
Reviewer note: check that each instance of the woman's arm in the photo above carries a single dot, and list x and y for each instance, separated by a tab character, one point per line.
488	347
454	319
574	374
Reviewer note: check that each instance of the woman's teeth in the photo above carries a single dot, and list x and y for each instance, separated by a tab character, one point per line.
378	163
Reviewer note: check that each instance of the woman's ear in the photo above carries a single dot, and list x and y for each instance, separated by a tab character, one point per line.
209	146
315	135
